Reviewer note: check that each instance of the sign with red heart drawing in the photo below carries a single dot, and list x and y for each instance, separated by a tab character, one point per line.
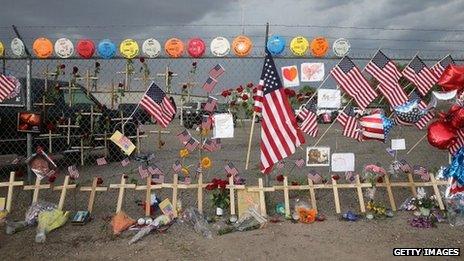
290	76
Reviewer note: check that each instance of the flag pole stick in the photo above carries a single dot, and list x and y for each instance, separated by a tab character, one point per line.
254	113
249	140
138	104
417	143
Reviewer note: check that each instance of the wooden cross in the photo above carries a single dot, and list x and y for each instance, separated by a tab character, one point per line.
145	79
70	89
174	186
64	189
262	200
167	75
189	86
92	113
44	103
105	142
411	185
435	184
81	149
127	77
112	92
93	189
122	120
148	188
50	136
387	184
88	79
37	187
122	186
11	184
200	192
137	138
232	187
159	132
68	126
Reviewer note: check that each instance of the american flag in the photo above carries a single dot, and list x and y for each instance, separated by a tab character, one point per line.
216	71
420	75
455	187
459	142
231	169
404	166
101	161
258	98
73	172
209	145
184	136
394	94
280	135
351	80
385	71
156	103
143	172
440	67
157	178
6	87
154	170
206	122
209	84
125	162
300	162
421	172
210	104
309	118
217	143
185	180
176	167
372	127
192	144
347	118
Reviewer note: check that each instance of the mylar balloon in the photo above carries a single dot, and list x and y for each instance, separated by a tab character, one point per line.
42	47
276	44
196	47
456	116
409	112
85	48
106	49
452	78
441	135
375	126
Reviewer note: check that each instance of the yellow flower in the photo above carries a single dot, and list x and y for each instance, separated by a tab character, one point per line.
185	171
206	163
184	153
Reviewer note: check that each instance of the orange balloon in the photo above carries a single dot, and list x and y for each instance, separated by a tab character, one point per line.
174	47
319	47
242	46
43	47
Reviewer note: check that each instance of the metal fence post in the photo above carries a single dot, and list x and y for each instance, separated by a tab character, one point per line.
29	107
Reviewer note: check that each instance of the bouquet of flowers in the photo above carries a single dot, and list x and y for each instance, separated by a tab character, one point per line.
219	196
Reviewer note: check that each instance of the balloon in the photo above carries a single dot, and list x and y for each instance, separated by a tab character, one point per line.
456	168
441	135
375	126
456	115
409	112
452	78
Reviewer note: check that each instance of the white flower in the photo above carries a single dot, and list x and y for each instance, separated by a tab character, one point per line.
421	193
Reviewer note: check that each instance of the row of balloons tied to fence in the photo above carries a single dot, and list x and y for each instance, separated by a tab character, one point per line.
174	47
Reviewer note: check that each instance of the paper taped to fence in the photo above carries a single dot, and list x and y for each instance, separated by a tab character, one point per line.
312	72
329	98
223	126
342	162
398	144
123	142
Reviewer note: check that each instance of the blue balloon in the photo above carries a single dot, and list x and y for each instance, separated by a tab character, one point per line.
106	49
276	44
456	168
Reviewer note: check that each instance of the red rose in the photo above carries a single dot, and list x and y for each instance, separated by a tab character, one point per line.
290	92
125	176
379	180
194	64
75	69
232	103
295	183
62	66
229	175
142	60
99	181
280	178
335	177
239	89
97	64
120	85
223	184
225	93
244	97
250	84
50	126
255	90
51	179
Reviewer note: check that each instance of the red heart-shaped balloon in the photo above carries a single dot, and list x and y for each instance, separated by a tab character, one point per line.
441	135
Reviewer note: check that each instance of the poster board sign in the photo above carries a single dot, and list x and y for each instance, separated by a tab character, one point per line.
329	98
223	126
342	162
245	200
317	156
290	76
17	97
398	144
124	143
312	72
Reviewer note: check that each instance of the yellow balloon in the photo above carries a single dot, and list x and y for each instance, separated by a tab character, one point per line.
2	49
299	45
129	48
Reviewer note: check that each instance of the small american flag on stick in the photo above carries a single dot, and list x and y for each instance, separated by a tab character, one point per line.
192	144
440	67
421	172
420	75
125	162
101	161
209	145
154	170
300	162
231	169
209	85
309	118
206	122
143	172
73	172
216	71
258	98
349	122
184	136
176	167
210	104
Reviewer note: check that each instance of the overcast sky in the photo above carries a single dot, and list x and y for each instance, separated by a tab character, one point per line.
121	19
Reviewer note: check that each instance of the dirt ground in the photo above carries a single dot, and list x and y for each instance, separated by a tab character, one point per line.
322	240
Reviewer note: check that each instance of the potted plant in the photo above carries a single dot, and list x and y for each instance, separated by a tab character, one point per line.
219	196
